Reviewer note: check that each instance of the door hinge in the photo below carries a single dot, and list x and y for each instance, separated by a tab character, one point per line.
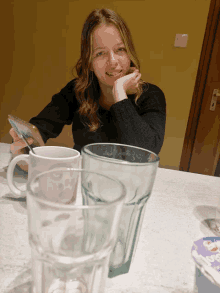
215	100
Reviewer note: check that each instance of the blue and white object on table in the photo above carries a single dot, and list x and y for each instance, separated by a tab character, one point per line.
206	254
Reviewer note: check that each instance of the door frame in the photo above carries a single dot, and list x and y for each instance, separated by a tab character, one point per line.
200	84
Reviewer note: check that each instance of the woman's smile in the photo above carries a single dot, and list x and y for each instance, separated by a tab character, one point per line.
114	74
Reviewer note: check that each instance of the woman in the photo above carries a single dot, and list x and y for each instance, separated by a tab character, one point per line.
107	101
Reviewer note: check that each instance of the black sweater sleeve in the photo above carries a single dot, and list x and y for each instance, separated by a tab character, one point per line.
144	128
59	112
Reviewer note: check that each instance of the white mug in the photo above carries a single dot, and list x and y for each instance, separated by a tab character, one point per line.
45	158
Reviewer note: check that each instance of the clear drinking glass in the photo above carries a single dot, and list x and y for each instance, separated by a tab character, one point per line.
136	168
71	243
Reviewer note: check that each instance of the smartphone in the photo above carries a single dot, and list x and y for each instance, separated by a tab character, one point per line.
26	129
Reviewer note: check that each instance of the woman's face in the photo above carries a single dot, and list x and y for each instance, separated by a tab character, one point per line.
110	60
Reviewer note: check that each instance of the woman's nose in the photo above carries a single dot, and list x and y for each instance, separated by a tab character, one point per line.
112	58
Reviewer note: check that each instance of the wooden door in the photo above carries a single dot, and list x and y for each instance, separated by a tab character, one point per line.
201	147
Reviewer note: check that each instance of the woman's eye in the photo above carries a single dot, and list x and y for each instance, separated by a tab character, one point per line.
122	49
99	54
103	53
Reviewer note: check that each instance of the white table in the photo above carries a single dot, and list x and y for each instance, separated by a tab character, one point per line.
174	218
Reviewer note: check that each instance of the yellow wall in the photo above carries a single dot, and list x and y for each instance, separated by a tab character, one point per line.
42	42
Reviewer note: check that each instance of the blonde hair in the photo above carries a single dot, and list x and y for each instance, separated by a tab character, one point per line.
87	85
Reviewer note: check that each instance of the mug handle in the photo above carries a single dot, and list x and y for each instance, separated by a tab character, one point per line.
10	172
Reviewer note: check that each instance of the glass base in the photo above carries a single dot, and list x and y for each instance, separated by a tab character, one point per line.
124	269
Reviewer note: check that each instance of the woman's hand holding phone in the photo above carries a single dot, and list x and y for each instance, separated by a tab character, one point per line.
17	147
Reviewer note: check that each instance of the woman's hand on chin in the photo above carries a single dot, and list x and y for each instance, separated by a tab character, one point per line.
129	82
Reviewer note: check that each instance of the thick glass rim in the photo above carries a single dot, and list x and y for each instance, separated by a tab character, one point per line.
62	206
87	152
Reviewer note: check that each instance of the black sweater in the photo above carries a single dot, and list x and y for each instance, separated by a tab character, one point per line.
141	125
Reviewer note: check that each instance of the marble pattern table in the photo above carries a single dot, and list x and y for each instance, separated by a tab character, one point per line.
178	212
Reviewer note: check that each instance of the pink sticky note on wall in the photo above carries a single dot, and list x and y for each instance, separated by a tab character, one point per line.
181	40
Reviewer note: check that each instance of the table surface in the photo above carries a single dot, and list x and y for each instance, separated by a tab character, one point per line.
177	213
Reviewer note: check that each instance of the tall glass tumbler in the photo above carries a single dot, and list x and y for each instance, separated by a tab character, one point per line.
71	243
136	168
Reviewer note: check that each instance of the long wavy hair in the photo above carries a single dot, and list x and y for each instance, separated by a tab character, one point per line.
87	89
